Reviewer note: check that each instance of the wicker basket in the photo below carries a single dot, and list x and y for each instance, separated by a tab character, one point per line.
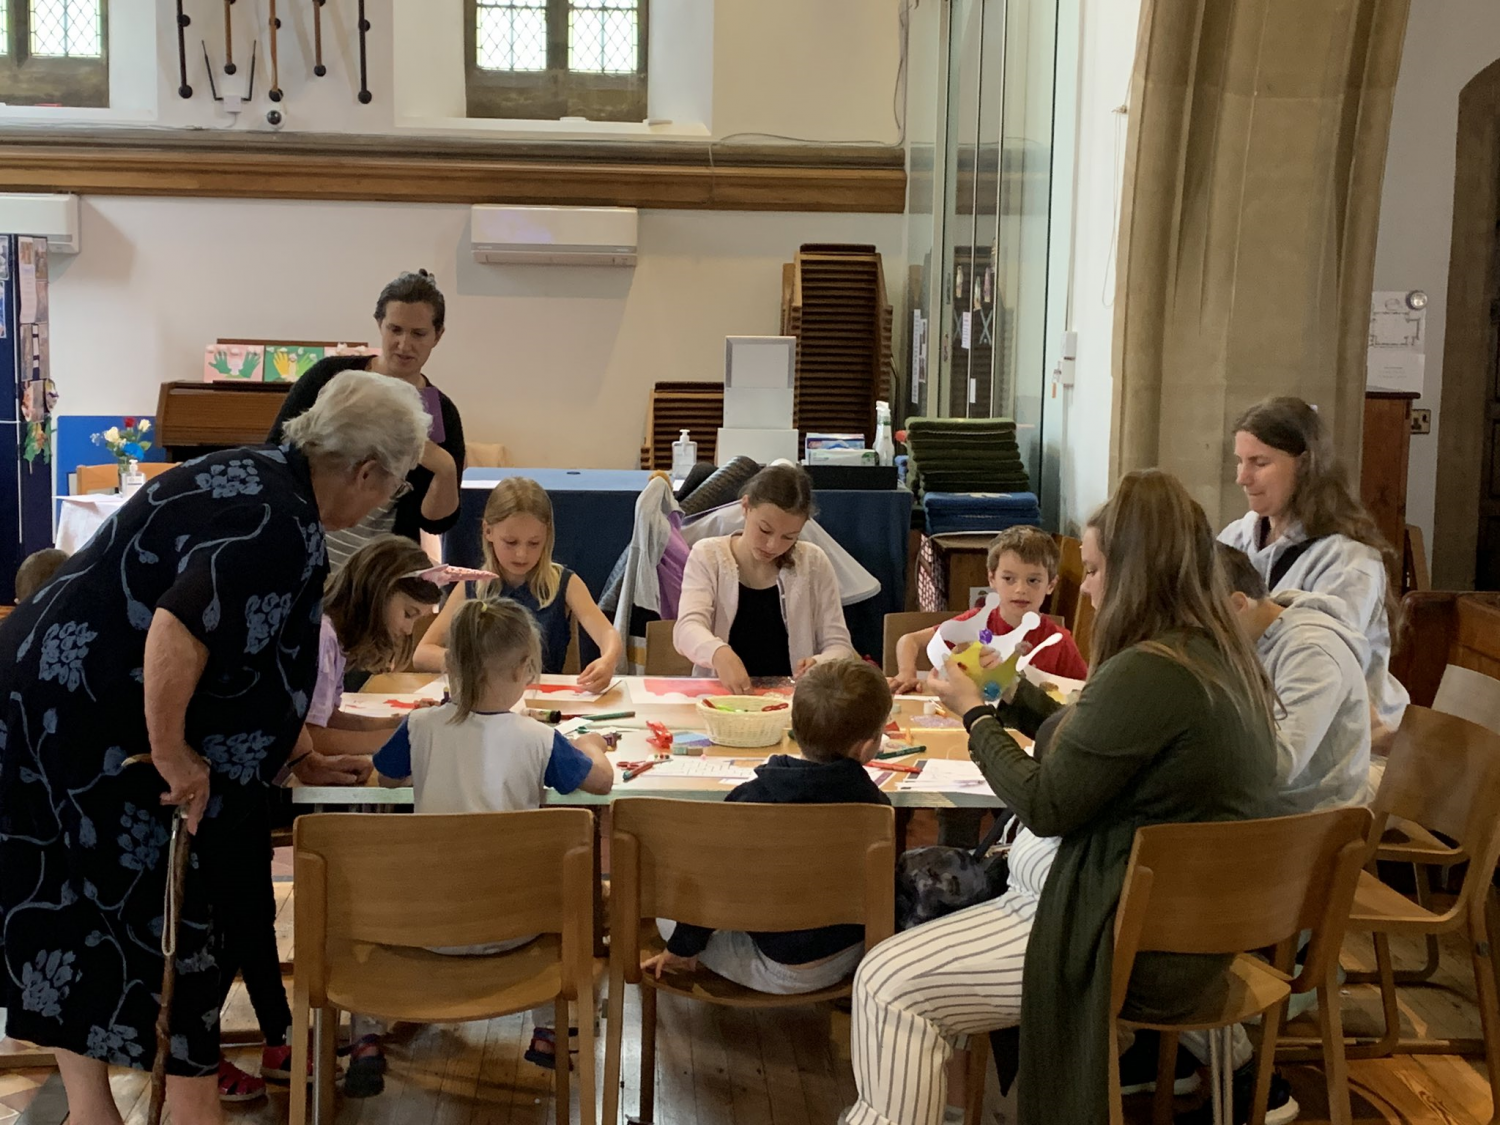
750	727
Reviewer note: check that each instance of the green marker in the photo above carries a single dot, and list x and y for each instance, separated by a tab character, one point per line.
904	752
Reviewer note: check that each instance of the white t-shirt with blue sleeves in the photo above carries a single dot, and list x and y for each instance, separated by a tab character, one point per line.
490	762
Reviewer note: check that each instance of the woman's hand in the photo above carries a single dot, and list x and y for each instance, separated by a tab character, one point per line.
186	775
597	676
955	690
731	670
333	769
805	665
668	962
904	682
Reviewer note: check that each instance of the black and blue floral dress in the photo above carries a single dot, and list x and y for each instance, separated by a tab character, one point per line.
232	546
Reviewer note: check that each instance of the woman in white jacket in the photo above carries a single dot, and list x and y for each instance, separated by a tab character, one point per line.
758	602
1307	531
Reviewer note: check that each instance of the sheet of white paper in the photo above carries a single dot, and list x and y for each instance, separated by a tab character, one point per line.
435	690
703	767
940	775
378	705
563	689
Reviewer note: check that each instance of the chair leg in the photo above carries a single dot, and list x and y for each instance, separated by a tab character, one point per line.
614	1030
648	1055
298	1107
1388	1005
1434	950
1116	1098
325	1047
561	1056
1164	1103
978	1073
1221	1114
1335	1065
587	1084
1265	1062
1489	1012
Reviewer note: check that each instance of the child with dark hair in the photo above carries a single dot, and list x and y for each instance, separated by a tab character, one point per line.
838	718
1316	664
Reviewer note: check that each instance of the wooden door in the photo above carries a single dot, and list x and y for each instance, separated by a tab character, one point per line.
1487	566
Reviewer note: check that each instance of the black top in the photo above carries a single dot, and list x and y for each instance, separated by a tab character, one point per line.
784	780
758	635
409	518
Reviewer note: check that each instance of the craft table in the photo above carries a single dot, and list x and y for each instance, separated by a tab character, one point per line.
951	744
594	514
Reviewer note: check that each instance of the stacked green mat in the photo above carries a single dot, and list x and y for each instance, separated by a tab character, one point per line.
964	455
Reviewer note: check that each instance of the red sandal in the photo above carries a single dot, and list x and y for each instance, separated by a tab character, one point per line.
237	1086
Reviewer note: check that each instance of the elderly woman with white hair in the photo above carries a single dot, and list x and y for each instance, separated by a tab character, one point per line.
168	663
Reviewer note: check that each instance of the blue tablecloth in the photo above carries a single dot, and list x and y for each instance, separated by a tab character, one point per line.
594	512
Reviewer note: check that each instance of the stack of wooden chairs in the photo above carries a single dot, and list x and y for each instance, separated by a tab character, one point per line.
674	407
833	300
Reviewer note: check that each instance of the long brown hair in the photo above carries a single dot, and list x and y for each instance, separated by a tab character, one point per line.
1322	501
487	635
1161	584
521	496
357	596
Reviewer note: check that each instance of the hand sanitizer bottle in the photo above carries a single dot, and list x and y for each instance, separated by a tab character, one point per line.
684	456
884	447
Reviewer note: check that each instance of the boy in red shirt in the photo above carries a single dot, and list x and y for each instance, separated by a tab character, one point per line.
1022	566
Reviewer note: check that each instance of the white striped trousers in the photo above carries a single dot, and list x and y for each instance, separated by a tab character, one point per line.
918	992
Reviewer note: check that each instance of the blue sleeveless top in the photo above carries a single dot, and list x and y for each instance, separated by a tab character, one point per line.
552	621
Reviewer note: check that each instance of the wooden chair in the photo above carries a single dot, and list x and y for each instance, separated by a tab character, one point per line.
106	478
897	625
1469	695
734	867
96	478
662	657
1068	599
1414	573
375	893
1443	774
1233	887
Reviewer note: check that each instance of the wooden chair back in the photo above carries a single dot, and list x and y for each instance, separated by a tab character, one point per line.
427	881
1444	773
1068	599
1237	886
749	867
1414	573
96	478
1469	695
106	478
662	657
897	625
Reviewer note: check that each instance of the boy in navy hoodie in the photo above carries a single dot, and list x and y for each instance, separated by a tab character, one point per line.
839	714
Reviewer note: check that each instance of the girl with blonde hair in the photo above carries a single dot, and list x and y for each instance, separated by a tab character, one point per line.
518	538
1174	725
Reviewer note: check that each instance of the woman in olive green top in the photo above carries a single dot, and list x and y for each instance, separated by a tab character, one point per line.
1175	724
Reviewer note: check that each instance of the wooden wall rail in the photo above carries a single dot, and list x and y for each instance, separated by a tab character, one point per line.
682	175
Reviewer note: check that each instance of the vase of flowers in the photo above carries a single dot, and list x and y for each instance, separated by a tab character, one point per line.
128	444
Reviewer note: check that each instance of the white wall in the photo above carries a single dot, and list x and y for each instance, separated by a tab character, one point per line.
1106	56
553	361
1447	43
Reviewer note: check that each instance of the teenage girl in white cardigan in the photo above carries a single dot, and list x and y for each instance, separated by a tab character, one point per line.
758	602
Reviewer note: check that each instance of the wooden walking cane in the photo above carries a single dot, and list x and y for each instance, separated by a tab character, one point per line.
177	865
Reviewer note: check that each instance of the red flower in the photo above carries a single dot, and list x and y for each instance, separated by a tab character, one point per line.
129	422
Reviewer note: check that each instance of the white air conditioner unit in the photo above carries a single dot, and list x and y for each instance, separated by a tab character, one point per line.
55	216
553	236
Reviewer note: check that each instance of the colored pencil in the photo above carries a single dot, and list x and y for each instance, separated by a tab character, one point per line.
903	752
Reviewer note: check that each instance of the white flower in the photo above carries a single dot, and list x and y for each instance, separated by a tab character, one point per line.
112	434
144	425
